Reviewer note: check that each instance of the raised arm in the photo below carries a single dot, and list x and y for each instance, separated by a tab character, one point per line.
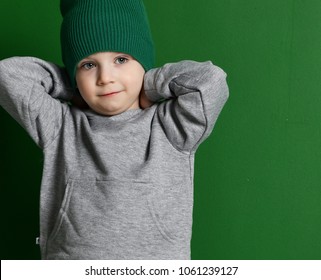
30	89
194	94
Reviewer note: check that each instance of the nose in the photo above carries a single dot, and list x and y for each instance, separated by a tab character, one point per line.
105	75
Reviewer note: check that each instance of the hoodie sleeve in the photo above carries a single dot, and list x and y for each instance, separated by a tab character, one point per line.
194	94
31	91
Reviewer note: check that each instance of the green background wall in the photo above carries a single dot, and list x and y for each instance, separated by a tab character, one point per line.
257	178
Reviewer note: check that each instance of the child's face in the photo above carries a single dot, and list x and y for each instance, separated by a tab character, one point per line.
110	82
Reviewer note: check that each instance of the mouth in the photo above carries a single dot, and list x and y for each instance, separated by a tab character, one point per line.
109	93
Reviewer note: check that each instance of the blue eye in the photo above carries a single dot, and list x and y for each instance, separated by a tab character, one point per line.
121	60
88	66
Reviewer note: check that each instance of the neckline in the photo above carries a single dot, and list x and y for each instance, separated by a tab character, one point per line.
115	118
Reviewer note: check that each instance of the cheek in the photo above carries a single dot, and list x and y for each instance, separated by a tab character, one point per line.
80	88
133	75
85	93
83	86
136	81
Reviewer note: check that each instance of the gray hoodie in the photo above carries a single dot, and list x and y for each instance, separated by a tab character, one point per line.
117	187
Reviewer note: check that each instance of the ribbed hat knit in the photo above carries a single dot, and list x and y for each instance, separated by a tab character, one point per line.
91	26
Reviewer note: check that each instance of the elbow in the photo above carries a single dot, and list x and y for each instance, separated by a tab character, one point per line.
9	67
224	89
219	79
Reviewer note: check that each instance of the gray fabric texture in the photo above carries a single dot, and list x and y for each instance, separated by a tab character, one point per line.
117	187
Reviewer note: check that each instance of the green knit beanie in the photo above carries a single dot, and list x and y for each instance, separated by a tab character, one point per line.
91	26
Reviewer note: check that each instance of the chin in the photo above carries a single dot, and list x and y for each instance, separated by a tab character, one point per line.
111	113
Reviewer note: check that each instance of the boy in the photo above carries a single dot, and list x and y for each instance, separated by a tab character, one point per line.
118	176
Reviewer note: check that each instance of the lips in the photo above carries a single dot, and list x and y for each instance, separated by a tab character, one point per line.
109	93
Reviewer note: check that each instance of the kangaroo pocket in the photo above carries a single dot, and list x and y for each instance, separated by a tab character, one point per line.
108	220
